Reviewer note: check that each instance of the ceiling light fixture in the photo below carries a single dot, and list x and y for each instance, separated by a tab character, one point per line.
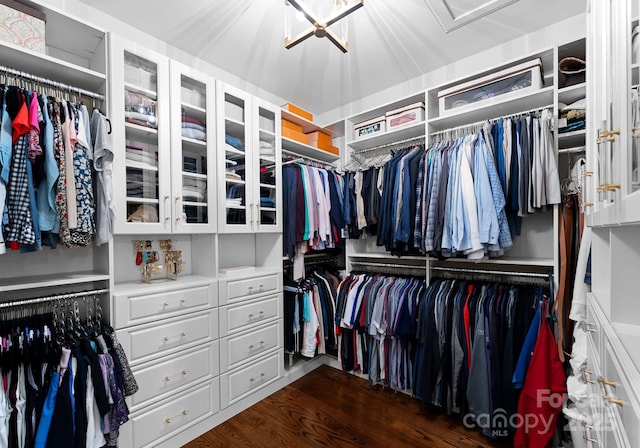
320	28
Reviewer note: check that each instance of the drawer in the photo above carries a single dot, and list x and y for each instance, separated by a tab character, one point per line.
235	350
132	309
239	383
159	379
173	415
628	412
145	342
244	315
237	289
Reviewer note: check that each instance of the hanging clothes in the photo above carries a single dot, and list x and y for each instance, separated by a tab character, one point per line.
48	193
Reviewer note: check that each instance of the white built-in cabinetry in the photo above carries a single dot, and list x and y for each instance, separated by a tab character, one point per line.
612	369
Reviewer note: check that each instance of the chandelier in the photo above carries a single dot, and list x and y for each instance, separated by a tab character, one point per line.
319	26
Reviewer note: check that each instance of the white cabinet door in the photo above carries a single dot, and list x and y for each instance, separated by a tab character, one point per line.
267	167
234	160
140	120
193	143
249	163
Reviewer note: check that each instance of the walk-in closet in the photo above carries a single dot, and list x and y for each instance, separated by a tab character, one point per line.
319	223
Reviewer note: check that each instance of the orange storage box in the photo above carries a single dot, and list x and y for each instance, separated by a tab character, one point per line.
291	126
298	111
319	139
295	135
331	149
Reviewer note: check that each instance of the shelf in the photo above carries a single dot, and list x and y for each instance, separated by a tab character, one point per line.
497	108
194	175
231	150
572	93
234	128
151	94
235	207
195	204
200	110
246	272
48	281
182	283
394	135
141	165
293	146
572	139
143	200
273	187
49	67
267	209
544	262
386	256
194	142
143	134
234	181
307	126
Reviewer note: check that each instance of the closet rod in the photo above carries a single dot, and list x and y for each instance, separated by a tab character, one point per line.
469	125
376	264
304	158
52	298
49	82
418	139
490	272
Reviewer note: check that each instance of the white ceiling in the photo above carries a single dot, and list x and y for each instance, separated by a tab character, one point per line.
391	41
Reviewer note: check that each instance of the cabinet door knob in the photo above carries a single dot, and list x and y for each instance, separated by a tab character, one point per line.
177	198
261	342
167	420
587	173
611	139
184	372
251	379
184	412
601	380
598	141
182	301
250	346
167	379
250	316
262	375
635	135
261	313
165	339
589	439
166	196
167	218
587	204
183	334
165	304
261	286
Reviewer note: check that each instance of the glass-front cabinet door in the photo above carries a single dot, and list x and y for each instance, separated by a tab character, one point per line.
267	168
193	140
140	122
234	163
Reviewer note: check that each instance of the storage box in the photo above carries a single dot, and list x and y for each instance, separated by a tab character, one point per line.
291	126
234	112
298	111
374	126
319	139
21	25
331	149
193	97
406	115
295	135
512	81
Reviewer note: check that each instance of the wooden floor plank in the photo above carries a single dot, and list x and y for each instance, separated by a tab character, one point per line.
328	407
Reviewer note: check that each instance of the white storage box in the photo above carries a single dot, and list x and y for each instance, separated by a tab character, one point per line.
193	97
370	127
510	82
234	112
406	115
21	25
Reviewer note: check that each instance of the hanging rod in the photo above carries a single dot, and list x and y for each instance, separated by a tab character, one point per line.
490	272
304	158
469	125
49	82
388	265
418	139
52	298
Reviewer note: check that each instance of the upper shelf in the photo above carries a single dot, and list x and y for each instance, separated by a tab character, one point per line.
572	93
48	67
307	126
497	108
308	151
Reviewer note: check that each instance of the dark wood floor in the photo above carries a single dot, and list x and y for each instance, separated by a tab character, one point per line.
330	408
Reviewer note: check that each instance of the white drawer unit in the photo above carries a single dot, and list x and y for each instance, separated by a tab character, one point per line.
233	290
132	309
620	396
238	349
239	383
176	373
149	341
244	315
172	415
